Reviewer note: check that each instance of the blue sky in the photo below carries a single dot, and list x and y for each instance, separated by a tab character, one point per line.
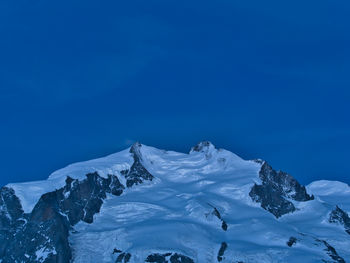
264	79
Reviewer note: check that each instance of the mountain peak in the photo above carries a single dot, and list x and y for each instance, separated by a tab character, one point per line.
203	146
135	150
209	206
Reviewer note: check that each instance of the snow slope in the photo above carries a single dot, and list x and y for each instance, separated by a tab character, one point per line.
174	212
30	192
331	192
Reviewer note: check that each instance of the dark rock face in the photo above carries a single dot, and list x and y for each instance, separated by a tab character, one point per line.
224	225
80	200
44	231
168	257
11	217
338	216
123	258
291	241
10	207
201	146
276	188
284	182
47	233
158	258
332	253
42	235
271	200
178	258
218	215
137	173
222	251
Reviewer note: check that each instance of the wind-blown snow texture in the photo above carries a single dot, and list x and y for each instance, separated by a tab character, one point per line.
149	205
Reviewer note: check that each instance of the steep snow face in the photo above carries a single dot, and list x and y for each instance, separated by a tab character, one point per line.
197	207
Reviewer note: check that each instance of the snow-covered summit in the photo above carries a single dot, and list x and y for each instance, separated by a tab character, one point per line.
204	146
145	204
30	192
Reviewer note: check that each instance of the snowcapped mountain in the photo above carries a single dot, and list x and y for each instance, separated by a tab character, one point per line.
149	205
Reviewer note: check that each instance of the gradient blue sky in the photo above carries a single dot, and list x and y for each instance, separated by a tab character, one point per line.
264	79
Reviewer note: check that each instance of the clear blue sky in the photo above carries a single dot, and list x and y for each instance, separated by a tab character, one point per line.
264	79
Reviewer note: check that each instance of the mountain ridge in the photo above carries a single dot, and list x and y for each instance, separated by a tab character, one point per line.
199	191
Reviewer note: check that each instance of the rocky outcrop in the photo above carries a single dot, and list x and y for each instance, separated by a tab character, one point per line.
168	258
291	241
207	149
123	258
137	173
10	207
178	258
277	190
44	238
80	200
271	200
221	252
338	216
332	253
42	235
218	215
11	217
202	146
158	258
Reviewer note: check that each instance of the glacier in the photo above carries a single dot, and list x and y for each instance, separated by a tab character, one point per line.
190	207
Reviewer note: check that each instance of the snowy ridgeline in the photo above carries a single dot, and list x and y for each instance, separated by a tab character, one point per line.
149	205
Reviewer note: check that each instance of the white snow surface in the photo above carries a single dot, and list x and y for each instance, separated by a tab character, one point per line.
327	188
30	192
331	192
173	213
